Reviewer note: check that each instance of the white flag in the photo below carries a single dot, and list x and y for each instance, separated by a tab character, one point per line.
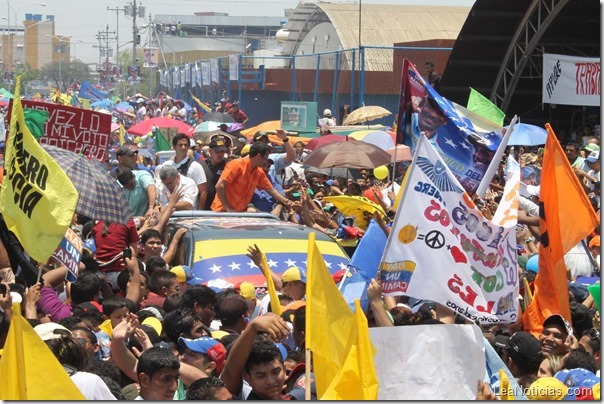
442	248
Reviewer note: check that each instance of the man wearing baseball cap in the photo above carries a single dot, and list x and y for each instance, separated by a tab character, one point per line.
522	355
204	353
214	166
556	337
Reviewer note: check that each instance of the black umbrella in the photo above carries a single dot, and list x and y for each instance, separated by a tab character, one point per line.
217	117
100	195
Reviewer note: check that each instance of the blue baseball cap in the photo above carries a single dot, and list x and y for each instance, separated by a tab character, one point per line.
206	345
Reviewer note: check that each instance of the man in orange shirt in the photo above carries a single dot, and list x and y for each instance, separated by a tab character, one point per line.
240	177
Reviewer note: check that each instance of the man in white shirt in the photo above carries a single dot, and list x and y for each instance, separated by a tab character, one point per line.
141	110
186	166
171	181
327	122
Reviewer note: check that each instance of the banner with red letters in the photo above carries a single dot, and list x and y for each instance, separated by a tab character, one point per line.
571	80
79	130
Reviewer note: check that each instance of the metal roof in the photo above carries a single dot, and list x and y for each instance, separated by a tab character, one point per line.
499	52
381	24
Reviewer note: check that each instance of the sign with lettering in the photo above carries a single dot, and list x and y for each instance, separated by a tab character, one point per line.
69	253
79	130
571	80
445	250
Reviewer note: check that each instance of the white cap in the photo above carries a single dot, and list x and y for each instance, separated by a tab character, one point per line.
140	100
327	112
48	331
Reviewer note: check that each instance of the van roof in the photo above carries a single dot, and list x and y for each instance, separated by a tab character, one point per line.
220	244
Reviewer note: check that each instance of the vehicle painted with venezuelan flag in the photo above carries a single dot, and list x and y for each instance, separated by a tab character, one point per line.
215	246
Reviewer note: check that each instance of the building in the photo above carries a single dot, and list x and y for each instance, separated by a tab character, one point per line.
34	43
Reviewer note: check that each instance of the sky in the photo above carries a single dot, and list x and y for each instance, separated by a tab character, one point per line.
83	19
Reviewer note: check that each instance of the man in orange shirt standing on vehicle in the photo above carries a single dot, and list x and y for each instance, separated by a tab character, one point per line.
240	177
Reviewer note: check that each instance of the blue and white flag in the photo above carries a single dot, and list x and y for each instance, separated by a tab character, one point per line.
466	141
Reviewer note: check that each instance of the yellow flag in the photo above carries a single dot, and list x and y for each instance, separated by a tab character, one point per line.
505	388
37	198
275	302
357	379
329	322
28	368
122	132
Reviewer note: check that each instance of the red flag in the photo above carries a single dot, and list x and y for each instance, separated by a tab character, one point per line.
566	217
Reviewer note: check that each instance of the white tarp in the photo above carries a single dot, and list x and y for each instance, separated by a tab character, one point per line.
571	80
429	362
234	67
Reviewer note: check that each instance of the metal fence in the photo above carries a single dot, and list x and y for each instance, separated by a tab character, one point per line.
338	79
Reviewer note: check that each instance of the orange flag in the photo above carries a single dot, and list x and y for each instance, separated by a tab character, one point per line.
566	217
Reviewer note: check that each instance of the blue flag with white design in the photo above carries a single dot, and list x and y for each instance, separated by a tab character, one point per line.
466	141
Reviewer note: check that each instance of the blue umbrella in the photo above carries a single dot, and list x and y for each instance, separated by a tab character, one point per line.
104	104
123	106
527	135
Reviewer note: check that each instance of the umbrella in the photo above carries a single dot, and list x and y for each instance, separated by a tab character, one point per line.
323	140
332	172
105	104
400	153
123	106
366	114
264	126
217	117
208	126
380	138
348	154
355	206
527	135
146	126
100	195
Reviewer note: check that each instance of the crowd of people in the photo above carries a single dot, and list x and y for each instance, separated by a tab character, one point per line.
134	326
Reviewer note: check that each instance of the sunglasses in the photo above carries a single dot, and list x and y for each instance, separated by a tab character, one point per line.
594	334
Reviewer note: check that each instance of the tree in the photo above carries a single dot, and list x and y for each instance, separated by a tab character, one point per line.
67	71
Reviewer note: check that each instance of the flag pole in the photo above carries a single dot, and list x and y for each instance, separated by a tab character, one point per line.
341	285
490	173
307	380
309	276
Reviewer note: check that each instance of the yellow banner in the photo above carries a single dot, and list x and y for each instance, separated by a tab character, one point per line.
37	198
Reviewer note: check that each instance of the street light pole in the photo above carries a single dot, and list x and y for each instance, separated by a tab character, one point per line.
11	41
60	38
74	47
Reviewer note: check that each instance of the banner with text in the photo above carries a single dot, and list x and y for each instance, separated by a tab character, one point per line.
466	145
571	80
450	253
79	130
69	253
